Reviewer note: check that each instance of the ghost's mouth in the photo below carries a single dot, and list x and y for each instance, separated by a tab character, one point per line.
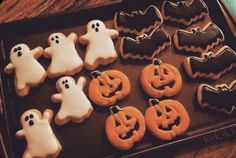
19	54
164	86
96	29
67	86
170	126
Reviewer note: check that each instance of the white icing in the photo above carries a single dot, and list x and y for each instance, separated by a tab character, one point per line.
28	71
74	104
65	59
100	49
41	141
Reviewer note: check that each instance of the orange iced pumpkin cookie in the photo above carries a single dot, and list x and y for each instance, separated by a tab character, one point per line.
124	127
161	79
166	119
107	87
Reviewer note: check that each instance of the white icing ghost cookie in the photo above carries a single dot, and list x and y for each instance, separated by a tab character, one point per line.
41	141
65	58
100	49
28	71
74	104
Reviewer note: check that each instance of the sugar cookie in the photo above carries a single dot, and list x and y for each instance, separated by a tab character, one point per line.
41	141
160	79
100	49
124	127
28	71
166	119
74	104
107	87
65	58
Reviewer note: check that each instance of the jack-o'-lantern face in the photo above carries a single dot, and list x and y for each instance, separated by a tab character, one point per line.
166	119
161	79
124	127
107	87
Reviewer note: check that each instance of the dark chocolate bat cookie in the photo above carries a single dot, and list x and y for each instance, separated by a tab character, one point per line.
211	65
145	46
198	40
220	98
138	22
184	12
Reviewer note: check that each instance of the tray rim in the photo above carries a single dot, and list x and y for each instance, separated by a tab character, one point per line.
219	128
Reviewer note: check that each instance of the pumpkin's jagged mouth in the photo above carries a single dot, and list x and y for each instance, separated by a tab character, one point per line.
130	133
170	126
119	88
163	87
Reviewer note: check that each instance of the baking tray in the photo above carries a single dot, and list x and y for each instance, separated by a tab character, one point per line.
88	139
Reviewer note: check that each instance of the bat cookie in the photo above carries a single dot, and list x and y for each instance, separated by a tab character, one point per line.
65	58
100	47
74	104
198	40
160	79
184	12
220	97
138	22
41	141
145	46
211	65
28	71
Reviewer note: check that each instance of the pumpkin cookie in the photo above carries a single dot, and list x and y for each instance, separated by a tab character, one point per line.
107	87
166	119
124	127
160	79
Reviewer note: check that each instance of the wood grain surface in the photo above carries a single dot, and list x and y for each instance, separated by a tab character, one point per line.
11	10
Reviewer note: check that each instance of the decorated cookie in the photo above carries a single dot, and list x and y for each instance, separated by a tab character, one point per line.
160	79
74	104
28	71
138	22
198	40
65	59
145	46
183	12
211	65
124	127
220	97
100	49
166	119
41	141
107	87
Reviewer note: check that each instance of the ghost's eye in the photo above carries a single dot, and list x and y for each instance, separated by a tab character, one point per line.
97	24
26	118
15	49
93	26
66	81
56	37
52	39
63	82
31	116
19	48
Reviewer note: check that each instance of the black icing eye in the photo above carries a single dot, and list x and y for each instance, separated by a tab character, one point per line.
66	81
19	48
97	24
52	39
15	49
26	118
93	26
63	82
56	37
31	122
31	116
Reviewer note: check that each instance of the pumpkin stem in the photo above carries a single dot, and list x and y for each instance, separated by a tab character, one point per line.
95	73
115	109
153	102
156	61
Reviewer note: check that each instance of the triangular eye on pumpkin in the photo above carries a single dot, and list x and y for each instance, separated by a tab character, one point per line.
107	87
166	119
124	127
160	79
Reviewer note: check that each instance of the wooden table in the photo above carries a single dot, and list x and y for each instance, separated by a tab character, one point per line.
11	10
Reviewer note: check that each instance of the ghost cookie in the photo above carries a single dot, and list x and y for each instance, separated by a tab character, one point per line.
28	71
65	59
74	104
100	49
41	141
